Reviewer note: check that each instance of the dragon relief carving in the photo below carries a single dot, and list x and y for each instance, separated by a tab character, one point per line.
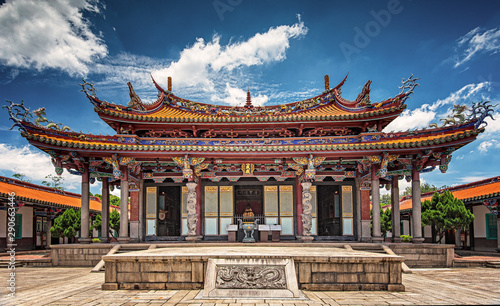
250	277
192	218
306	209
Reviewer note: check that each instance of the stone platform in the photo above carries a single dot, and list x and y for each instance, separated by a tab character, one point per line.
316	268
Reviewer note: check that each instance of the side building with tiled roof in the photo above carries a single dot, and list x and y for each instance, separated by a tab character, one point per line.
482	198
34	207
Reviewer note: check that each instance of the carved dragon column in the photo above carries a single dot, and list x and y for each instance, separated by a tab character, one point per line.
306	212
192	218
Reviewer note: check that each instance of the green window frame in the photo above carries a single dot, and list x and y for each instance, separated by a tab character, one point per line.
491	226
18	227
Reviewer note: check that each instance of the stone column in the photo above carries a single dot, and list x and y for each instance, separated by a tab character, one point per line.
306	212
358	207
141	210
48	235
124	237
85	202
396	216
298	196
376	235
416	205
105	210
193	217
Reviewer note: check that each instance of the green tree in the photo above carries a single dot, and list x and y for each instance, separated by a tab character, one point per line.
114	221
444	212
54	181
385	199
114	200
425	187
66	225
386	220
21	177
96	224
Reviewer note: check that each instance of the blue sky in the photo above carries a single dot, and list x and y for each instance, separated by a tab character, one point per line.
280	50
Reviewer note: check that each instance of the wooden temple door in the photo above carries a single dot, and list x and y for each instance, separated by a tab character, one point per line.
335	210
41	231
169	206
329	217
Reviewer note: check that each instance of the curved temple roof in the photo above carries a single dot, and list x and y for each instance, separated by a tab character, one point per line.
282	136
325	107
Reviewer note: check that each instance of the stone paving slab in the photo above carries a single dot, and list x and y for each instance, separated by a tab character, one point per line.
77	286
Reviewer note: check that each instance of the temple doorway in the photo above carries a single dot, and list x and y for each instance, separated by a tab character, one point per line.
329	210
249	200
169	217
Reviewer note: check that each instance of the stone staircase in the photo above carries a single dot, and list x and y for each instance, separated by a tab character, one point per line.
120	249
380	249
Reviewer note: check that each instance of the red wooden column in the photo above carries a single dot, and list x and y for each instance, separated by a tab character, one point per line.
134	216
298	196
365	215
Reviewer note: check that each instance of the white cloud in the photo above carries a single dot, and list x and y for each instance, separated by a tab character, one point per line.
49	34
34	164
209	66
418	118
237	97
462	95
477	41
472	179
486	145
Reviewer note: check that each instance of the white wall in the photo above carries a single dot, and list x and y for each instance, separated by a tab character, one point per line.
480	220
27	213
3	223
427	231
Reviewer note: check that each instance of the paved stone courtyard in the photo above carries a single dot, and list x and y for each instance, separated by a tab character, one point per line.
77	286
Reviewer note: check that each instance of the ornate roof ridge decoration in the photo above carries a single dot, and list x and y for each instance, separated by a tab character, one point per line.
478	113
363	99
365	141
138	110
21	114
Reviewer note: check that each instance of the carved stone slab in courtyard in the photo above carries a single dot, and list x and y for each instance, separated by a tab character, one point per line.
251	278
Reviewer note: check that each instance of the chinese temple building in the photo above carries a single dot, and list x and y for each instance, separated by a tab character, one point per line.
191	169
